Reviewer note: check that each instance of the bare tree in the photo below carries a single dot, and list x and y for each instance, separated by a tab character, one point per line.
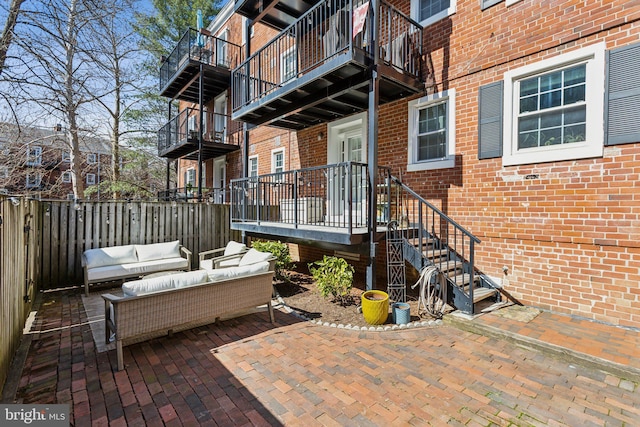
58	74
7	33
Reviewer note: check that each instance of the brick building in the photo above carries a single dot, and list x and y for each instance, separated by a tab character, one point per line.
502	137
36	161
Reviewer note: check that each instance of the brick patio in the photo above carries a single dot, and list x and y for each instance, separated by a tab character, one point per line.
246	371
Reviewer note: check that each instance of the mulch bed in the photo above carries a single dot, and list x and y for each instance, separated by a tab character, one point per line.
301	294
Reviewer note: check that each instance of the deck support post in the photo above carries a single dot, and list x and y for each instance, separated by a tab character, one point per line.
245	130
372	146
200	136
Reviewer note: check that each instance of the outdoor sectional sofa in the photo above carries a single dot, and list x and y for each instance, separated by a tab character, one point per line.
177	301
121	262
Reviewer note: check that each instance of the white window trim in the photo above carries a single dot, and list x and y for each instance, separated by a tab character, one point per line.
448	96
66	157
510	2
4	172
415	13
66	176
251	158
92	158
594	57
273	158
187	173
91	179
37	181
37	157
283	56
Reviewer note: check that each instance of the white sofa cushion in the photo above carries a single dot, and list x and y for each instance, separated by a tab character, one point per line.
254	256
147	286
136	269
190	278
113	255
155	251
235	272
234	248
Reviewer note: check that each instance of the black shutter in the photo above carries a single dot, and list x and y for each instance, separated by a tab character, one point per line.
490	120
622	98
488	3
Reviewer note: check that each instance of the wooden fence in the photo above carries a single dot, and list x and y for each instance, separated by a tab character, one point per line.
41	244
19	271
69	228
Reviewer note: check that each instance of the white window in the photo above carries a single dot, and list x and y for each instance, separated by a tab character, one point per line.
222	49
553	109
426	12
34	180
277	164
289	64
432	133
190	177
91	158
34	156
71	196
66	176
253	166
91	178
191	124
66	157
4	172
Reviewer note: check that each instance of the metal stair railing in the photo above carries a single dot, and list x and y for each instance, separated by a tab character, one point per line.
433	238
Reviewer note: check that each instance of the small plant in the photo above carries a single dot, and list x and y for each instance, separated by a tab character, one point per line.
280	251
333	276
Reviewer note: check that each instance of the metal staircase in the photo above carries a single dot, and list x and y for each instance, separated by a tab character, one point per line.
428	237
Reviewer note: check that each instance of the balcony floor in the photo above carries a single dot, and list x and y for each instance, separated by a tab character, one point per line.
335	89
188	149
185	83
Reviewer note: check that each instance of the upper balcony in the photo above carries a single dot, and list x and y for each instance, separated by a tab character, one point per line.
277	14
319	68
180	70
180	137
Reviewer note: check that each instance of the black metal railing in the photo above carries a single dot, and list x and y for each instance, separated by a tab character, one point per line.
212	195
186	127
436	237
335	196
197	46
322	33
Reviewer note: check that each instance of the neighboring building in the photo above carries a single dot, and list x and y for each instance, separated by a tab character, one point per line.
36	161
518	119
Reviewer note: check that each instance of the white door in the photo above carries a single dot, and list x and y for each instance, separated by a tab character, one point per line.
349	143
219	177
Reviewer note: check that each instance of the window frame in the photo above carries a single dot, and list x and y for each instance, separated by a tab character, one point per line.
594	58
66	156
66	174
290	53
33	184
38	156
274	170
91	181
448	161
91	156
4	172
415	13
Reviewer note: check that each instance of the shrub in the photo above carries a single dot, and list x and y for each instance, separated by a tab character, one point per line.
280	251
333	276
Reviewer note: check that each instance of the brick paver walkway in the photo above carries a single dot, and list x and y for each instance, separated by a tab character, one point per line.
248	372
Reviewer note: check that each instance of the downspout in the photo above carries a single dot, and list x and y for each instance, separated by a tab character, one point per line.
372	148
169	160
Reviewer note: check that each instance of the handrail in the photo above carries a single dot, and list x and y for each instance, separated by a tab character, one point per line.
435	209
319	35
220	128
211	50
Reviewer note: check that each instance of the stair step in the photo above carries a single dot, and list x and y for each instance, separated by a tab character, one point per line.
434	253
461	280
482	293
450	267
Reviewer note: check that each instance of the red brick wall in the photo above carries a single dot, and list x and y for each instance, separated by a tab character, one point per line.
569	238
